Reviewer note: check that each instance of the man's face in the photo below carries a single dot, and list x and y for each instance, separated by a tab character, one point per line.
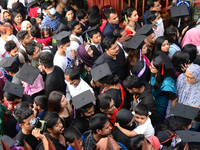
106	130
14	52
64	47
113	50
48	9
157	6
132	91
96	39
27	39
113	19
78	30
58	128
26	125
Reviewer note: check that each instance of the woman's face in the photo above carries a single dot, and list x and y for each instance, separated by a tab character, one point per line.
153	68
153	37
144	49
90	52
90	112
109	111
18	18
7	16
63	102
165	46
28	28
134	16
69	15
189	78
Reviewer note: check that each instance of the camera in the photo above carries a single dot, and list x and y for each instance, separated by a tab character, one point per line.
41	124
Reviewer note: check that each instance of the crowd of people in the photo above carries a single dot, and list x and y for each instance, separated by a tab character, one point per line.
78	78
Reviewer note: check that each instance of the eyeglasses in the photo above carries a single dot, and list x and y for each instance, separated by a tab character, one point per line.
189	78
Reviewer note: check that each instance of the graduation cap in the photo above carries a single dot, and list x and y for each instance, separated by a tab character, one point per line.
7	141
179	11
163	61
145	30
136	42
91	31
32	4
189	136
7	61
184	111
83	99
13	88
63	24
62	37
28	73
100	72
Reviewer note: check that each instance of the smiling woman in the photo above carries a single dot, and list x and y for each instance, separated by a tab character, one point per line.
187	86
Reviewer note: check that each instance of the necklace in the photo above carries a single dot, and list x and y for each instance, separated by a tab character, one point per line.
131	26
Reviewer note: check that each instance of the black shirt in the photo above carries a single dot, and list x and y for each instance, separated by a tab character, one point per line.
82	124
56	143
117	67
30	139
147	98
55	81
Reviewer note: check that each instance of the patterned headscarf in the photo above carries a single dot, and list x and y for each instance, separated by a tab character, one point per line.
189	94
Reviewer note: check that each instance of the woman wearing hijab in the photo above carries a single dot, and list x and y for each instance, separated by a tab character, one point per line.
26	25
188	85
85	53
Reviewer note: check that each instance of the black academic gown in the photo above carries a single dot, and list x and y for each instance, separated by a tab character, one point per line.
119	136
96	52
56	143
117	67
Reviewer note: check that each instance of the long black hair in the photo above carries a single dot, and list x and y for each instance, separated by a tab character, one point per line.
191	50
171	35
158	44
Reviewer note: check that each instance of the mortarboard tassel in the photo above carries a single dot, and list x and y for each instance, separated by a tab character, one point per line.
140	54
162	72
74	113
179	22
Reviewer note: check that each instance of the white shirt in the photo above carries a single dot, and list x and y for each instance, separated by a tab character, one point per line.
74	44
146	129
72	91
64	62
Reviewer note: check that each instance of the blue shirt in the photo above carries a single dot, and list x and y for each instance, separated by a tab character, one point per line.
109	28
51	22
144	18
